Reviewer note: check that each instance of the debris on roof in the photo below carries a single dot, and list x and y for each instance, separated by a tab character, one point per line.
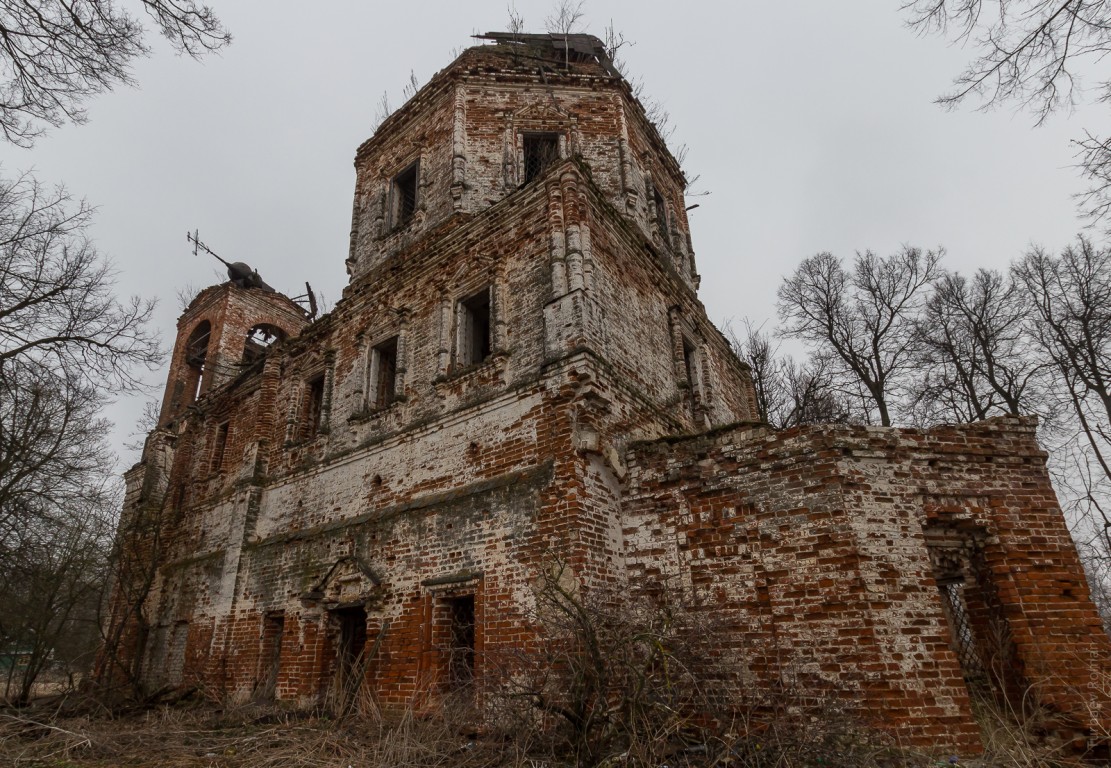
582	45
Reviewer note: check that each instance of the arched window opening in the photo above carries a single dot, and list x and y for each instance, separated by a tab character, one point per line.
259	340
196	352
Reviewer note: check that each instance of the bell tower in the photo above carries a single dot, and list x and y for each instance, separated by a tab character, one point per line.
223	332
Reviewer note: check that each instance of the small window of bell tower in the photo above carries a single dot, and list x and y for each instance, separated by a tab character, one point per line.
541	151
405	194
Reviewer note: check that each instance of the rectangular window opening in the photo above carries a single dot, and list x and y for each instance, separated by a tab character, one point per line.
384	371
314	405
405	194
689	364
474	344
541	151
661	214
461	659
218	446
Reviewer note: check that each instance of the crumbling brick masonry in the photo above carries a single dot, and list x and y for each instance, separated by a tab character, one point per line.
520	373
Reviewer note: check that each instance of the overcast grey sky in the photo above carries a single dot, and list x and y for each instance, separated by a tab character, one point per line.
811	123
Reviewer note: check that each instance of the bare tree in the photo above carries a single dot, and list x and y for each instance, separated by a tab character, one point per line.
51	590
516	23
410	88
1033	52
861	323
788	393
975	358
58	309
623	679
55	55
566	19
66	344
1070	322
51	450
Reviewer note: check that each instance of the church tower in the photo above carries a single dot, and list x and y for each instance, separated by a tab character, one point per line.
520	383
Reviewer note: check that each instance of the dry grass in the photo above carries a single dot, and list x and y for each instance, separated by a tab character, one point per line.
1023	739
181	737
175	737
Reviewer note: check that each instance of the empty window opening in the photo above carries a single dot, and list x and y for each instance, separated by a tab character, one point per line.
405	194
196	352
259	339
962	638
383	372
350	654
541	151
273	629
219	444
473	345
461	655
661	214
690	365
314	405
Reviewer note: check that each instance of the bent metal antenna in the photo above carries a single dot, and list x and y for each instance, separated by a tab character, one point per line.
245	277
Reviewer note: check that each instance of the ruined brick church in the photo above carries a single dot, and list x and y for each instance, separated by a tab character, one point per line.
520	373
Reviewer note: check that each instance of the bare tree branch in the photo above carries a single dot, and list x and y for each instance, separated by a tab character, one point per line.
1033	53
58	309
55	55
975	357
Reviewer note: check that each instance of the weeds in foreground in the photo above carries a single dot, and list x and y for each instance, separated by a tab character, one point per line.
174	736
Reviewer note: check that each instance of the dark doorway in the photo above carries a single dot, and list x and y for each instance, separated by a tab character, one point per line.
474	329
350	656
272	630
461	656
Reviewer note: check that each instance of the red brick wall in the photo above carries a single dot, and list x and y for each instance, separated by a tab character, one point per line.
812	539
807	547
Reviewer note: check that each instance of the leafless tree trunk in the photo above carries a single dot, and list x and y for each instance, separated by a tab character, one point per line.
975	357
66	341
1070	322
861	322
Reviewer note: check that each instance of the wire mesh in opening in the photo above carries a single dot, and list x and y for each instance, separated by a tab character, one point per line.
405	194
541	150
960	627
